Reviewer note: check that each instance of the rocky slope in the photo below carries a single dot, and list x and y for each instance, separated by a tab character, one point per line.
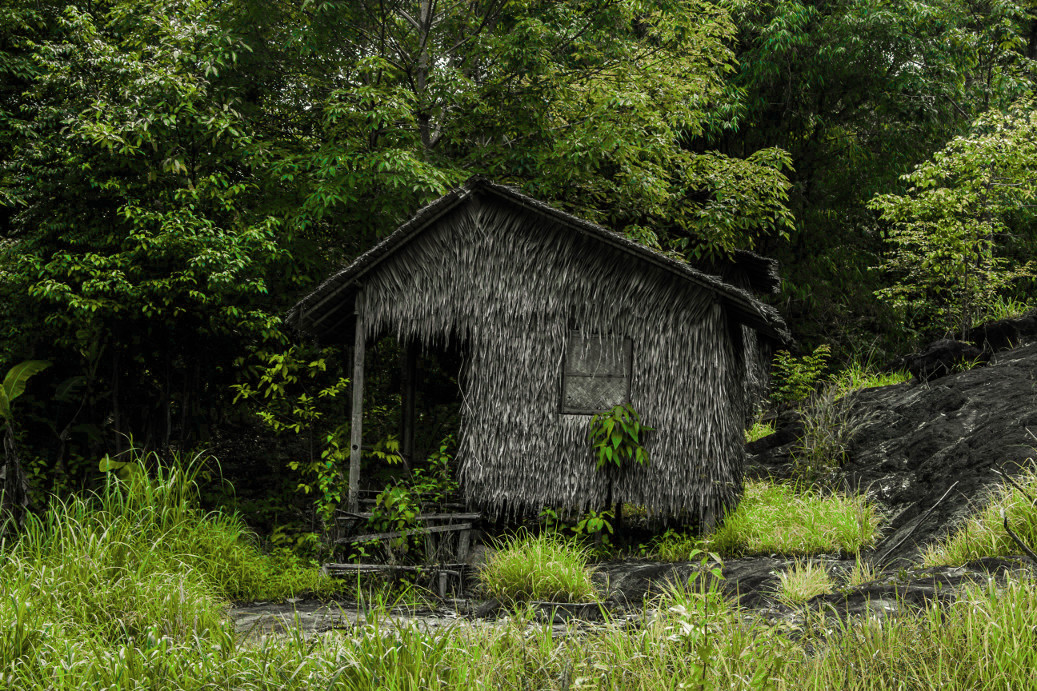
927	451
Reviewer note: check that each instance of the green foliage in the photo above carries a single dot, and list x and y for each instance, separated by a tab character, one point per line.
960	235
796	379
836	85
295	395
14	384
616	436
398	507
543	567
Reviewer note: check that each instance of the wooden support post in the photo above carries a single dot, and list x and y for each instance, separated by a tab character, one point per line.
409	365
356	432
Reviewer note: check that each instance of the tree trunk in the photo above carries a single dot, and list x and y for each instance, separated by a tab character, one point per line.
14	501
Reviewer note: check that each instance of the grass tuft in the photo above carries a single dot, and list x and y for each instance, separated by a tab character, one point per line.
983	534
861	573
777	518
803	581
860	375
759	430
542	567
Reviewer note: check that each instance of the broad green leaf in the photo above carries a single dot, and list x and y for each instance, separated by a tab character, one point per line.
15	381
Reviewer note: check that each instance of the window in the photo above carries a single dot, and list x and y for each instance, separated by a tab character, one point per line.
597	373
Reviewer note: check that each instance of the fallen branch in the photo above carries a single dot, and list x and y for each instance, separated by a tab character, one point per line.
1029	552
1015	484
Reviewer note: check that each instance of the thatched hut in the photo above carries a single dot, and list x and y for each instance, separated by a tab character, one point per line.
558	318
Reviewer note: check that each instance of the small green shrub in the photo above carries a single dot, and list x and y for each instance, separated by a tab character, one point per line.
803	581
543	567
616	436
983	535
795	379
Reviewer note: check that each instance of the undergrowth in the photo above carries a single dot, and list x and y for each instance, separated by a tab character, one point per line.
114	593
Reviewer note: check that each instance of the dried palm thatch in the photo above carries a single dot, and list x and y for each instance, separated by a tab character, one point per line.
512	278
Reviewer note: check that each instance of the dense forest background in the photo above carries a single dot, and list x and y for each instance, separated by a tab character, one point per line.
175	174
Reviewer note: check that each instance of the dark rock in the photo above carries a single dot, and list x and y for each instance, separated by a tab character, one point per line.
788	427
1005	333
941	358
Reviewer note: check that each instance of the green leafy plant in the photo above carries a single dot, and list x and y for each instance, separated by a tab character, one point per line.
289	398
695	605
398	507
616	435
13	498
797	378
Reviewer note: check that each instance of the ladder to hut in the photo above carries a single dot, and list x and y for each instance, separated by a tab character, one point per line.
446	538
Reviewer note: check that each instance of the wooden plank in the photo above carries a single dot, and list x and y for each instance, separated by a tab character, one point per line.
454	569
396	534
348	515
356	433
407	397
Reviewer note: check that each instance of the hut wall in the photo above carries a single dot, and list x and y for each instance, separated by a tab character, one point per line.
512	286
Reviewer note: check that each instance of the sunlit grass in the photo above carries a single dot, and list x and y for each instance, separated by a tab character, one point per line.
538	567
803	581
983	534
860	374
759	430
775	518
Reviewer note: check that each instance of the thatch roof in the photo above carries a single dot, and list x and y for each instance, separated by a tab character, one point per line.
761	273
329	308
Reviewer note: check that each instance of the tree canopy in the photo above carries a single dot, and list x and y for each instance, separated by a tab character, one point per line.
175	174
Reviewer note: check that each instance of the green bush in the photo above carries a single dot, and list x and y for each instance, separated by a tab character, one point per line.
795	379
543	567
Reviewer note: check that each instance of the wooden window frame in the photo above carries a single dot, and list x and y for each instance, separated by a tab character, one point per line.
628	346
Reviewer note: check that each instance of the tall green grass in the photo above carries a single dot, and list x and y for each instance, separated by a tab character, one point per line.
115	593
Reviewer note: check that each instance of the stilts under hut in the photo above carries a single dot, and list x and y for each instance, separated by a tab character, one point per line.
558	319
